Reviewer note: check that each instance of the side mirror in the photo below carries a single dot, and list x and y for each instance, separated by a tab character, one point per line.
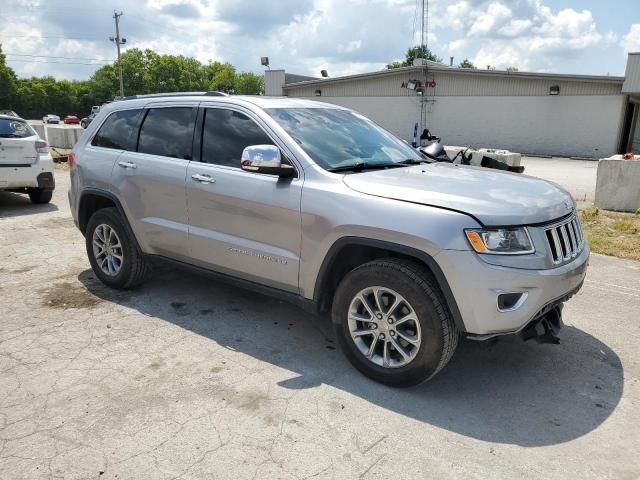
265	159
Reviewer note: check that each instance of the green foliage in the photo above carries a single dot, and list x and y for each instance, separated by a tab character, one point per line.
249	84
512	69
7	83
419	51
466	63
142	72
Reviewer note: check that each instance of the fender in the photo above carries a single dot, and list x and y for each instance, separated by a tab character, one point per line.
82	222
424	257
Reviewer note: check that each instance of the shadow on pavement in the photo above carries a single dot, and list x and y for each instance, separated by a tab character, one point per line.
516	393
16	204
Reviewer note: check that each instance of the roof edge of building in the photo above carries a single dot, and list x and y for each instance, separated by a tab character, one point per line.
461	71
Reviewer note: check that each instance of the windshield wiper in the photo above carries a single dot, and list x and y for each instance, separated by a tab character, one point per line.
414	161
359	166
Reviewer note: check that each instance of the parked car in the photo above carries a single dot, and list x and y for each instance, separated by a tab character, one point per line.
9	113
84	123
71	119
25	163
316	204
51	119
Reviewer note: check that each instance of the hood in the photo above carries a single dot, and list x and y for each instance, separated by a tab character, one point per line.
493	197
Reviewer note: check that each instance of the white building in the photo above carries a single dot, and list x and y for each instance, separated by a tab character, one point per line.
535	113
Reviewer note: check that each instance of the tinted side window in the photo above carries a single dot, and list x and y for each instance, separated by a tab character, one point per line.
118	131
226	133
167	132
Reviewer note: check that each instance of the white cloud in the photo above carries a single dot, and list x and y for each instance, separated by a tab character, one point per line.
496	16
457	14
631	41
522	33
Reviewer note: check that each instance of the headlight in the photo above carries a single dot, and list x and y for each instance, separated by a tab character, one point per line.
501	241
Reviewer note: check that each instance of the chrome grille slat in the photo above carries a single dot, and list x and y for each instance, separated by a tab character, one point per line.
566	250
556	244
565	240
573	237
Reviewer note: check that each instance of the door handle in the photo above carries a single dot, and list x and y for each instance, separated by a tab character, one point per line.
124	164
202	178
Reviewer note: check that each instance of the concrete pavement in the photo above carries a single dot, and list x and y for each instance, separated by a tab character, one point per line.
576	176
188	378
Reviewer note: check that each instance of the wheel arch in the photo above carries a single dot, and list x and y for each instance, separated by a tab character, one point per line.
347	253
92	200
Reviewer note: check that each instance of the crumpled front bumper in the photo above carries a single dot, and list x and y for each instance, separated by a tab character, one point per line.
476	286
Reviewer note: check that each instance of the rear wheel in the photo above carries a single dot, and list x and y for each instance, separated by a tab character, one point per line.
113	252
40	195
393	323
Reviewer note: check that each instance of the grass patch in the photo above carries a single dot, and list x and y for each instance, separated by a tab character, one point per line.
612	233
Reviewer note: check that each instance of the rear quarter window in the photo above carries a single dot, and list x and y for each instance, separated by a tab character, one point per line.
119	131
11	128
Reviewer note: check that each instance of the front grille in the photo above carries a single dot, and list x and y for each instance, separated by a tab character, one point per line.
565	240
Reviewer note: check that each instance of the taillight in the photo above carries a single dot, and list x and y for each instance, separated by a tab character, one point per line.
42	146
71	159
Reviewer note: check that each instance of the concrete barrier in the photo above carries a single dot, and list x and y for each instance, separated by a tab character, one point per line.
63	137
60	135
618	185
510	158
40	130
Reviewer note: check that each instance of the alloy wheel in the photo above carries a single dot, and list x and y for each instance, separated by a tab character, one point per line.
107	249
384	327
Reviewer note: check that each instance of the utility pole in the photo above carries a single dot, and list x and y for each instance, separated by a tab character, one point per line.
422	28
119	41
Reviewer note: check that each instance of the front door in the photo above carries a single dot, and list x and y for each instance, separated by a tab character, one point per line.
241	223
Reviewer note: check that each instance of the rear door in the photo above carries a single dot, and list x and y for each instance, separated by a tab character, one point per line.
17	143
151	179
241	223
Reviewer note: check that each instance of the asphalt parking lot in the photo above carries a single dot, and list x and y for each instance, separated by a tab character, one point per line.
187	378
576	176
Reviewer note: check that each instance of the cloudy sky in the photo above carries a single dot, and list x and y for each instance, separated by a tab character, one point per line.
69	38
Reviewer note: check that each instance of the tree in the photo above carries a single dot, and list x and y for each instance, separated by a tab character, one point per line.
512	69
7	83
249	84
466	63
143	72
419	51
222	77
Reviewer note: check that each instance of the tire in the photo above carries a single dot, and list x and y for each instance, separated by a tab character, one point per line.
40	195
431	322
83	125
133	266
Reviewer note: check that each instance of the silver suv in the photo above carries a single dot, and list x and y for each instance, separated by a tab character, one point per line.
316	204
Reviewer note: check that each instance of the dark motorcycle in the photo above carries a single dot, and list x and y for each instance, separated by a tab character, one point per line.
434	149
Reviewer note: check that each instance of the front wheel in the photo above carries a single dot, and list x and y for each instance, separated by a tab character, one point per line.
392	322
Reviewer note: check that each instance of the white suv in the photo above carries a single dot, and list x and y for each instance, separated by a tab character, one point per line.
25	163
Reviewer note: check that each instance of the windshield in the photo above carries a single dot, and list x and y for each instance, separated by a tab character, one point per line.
15	129
336	138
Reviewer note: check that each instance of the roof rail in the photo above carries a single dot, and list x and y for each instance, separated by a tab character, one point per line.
213	93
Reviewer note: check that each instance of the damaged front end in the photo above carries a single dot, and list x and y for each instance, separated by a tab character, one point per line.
545	326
